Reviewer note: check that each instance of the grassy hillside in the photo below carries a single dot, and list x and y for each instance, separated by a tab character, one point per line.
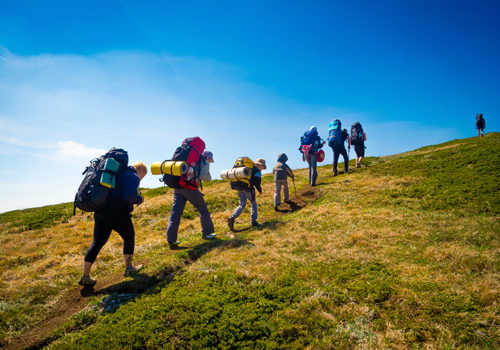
402	253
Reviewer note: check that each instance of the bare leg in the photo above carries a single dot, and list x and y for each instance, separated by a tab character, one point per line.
128	260
86	268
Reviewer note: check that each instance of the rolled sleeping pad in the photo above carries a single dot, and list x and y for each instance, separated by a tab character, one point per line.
236	173
108	177
169	167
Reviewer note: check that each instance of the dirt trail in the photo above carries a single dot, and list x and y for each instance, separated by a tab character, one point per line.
69	304
77	299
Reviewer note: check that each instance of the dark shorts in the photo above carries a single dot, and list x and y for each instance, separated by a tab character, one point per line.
480	125
360	149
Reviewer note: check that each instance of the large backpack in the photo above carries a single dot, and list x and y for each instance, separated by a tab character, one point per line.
307	142
335	134
91	195
243	183
190	152
356	133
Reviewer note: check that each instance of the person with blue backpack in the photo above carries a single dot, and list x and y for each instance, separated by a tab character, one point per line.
310	144
336	140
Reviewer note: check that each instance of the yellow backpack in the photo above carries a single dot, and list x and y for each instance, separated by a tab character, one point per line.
242	183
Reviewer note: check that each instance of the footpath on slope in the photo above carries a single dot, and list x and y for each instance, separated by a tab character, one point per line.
77	299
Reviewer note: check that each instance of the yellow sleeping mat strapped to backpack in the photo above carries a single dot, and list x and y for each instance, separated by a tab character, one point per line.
170	167
244	162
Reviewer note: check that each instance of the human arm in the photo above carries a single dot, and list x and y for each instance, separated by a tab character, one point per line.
130	189
205	172
289	171
256	179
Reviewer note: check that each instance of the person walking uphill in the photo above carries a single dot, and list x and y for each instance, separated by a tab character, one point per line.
480	125
310	143
246	188
186	188
336	140
281	172
358	138
116	216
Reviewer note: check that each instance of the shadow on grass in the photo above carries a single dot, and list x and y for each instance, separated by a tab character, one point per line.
242	229
291	207
271	224
141	282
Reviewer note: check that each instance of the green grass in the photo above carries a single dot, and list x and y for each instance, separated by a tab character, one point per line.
453	178
402	253
36	218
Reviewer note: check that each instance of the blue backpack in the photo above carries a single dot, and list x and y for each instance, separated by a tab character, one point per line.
335	134
307	141
309	137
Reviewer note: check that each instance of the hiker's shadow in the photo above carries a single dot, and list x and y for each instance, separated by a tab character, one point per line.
242	229
138	284
201	249
142	282
272	225
292	207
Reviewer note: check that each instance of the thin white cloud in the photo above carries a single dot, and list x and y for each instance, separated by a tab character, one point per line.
71	149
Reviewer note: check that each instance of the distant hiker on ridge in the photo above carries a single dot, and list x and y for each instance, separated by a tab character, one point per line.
310	143
281	173
246	188
358	138
480	125
116	216
336	140
186	188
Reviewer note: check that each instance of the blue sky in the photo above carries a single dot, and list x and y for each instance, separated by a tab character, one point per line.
249	77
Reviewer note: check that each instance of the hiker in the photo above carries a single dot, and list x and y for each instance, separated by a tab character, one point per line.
246	189
310	144
358	138
205	166
281	173
187	190
336	140
480	125
116	216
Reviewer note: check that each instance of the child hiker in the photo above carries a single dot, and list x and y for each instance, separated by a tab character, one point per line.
246	188
281	173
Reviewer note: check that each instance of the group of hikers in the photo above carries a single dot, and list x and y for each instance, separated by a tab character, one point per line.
311	144
122	193
245	177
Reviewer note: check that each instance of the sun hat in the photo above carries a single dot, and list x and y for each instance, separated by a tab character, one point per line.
208	156
262	162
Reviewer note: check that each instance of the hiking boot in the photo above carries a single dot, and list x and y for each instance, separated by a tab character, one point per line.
132	270
230	223
276	208
255	224
86	281
335	173
210	236
173	245
358	165
288	201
